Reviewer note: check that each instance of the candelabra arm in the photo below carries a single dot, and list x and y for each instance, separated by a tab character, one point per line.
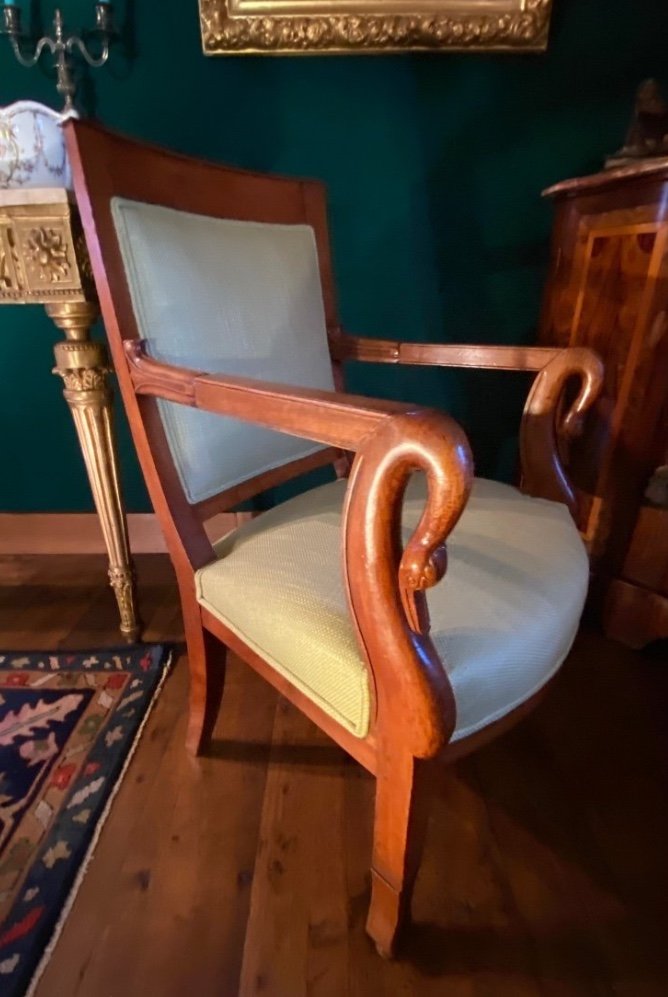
94	61
31	60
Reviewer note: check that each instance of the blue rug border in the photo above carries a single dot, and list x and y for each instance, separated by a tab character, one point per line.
36	946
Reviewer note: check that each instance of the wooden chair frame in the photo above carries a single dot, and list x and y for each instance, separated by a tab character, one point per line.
413	714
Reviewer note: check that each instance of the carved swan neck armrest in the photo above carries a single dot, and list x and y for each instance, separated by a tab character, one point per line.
543	473
543	422
387	585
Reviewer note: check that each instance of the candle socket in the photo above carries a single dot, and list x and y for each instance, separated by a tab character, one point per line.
11	20
103	17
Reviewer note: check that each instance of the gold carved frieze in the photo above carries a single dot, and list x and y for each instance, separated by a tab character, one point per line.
302	26
42	254
12	277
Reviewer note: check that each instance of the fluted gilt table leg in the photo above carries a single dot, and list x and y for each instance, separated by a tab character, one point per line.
83	366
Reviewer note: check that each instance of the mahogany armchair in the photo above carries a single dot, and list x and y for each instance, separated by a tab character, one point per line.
217	295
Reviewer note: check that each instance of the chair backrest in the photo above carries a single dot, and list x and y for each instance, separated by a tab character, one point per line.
225	296
216	269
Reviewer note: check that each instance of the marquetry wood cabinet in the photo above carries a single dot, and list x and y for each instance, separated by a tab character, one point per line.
608	289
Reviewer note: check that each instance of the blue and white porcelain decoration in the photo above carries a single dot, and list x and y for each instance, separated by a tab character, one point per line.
32	146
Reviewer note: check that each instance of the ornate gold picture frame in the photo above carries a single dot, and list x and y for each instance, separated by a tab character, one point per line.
302	26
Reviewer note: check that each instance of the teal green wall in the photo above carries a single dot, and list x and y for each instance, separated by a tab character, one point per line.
434	166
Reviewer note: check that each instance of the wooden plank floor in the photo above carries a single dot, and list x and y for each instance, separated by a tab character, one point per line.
546	865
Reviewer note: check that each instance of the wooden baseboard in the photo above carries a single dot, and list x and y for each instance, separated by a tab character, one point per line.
80	533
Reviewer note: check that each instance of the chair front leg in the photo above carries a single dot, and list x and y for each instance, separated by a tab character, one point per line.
207	658
404	790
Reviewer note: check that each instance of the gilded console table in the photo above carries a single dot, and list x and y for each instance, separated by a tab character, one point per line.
43	260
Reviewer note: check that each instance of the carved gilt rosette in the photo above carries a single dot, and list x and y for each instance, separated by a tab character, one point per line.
43	256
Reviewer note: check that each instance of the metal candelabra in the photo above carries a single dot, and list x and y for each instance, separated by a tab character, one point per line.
61	45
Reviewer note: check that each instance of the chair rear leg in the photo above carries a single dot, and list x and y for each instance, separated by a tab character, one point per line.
404	789
206	661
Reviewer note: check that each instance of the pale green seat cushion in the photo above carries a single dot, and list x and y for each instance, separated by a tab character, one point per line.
503	618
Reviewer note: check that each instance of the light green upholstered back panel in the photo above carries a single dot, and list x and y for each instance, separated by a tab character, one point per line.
229	297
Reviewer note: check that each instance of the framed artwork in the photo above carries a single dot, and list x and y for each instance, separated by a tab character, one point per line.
340	26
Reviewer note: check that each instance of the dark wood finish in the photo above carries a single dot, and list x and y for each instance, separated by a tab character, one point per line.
543	473
647	559
608	290
633	614
246	872
414	713
347	347
325	416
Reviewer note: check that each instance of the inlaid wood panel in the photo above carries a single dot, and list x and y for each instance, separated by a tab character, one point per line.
608	290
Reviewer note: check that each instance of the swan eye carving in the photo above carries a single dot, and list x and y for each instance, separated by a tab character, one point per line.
420	568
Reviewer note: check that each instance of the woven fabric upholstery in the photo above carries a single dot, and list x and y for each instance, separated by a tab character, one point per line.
229	297
503	618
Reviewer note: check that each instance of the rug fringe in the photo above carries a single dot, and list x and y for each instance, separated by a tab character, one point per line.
90	852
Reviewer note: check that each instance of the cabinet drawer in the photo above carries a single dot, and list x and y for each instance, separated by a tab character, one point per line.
647	559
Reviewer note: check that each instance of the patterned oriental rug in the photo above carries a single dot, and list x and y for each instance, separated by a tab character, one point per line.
69	723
